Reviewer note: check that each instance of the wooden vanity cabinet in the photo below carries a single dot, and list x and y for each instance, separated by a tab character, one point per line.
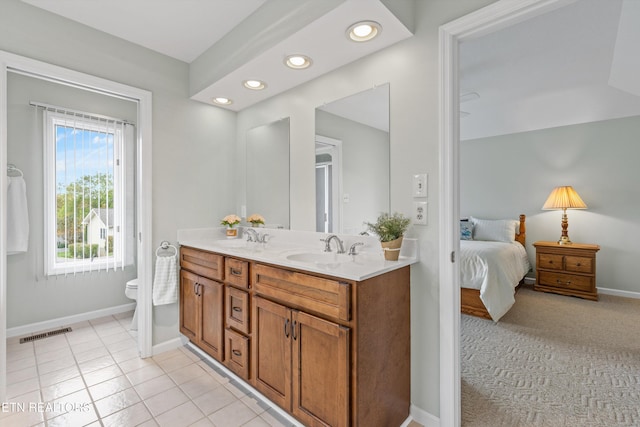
329	351
201	319
332	352
301	362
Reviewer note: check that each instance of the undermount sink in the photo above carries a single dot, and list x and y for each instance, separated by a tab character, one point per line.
319	257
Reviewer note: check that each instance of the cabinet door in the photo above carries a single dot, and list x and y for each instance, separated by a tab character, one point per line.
189	310
212	330
272	351
320	371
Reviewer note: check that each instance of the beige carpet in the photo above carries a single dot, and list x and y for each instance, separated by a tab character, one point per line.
553	360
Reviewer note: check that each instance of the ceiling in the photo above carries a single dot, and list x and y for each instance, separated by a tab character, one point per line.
577	64
206	34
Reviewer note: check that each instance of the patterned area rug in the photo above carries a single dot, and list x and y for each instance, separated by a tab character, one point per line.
553	361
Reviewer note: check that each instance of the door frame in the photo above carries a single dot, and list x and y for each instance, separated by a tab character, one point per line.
10	62
494	17
334	148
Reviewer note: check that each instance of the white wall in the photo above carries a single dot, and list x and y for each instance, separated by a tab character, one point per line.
411	68
365	169
31	296
193	144
504	176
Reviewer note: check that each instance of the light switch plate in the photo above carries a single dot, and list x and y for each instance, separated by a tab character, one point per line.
420	213
419	186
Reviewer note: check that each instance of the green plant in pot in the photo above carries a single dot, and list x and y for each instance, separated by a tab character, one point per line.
390	230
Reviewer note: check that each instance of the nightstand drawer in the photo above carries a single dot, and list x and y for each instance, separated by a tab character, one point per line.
566	281
550	261
579	264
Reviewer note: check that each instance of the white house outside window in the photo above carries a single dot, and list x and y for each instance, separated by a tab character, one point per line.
85	193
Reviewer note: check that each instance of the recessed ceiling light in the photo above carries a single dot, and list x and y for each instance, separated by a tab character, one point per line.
363	31
298	62
222	101
254	84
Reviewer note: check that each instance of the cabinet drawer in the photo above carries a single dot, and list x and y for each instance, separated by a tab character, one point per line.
566	281
237	309
237	272
578	264
316	294
202	263
237	353
550	261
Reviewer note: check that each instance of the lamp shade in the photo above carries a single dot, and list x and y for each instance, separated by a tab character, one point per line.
564	198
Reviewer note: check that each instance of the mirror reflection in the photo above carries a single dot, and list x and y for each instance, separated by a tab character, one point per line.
352	161
268	173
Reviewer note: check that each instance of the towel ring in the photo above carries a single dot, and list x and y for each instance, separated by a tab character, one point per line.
13	169
166	245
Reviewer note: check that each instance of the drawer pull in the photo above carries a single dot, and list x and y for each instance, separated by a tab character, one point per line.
236	353
237	309
236	272
286	326
579	264
560	282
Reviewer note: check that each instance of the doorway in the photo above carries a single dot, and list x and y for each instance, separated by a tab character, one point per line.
11	63
486	20
328	185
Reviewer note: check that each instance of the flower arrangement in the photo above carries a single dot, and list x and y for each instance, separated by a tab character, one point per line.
230	220
255	220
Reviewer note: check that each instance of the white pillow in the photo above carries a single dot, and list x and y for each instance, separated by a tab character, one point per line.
498	230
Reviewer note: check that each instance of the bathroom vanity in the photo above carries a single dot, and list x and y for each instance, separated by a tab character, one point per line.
324	336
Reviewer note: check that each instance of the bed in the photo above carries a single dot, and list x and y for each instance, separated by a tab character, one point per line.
493	263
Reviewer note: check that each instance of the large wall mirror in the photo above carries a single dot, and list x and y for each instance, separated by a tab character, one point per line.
268	173
352	161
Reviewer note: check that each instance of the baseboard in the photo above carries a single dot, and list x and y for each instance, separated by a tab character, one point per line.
619	293
68	320
169	345
423	417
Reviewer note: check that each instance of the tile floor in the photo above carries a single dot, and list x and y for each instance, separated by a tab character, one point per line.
93	376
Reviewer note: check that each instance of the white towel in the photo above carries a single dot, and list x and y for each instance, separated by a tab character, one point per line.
17	216
165	281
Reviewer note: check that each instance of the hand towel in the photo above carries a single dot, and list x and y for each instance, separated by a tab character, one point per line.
17	216
165	281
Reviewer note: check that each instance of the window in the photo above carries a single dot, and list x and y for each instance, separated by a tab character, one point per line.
85	193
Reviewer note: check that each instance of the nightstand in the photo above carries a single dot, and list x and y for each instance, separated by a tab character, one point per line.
566	269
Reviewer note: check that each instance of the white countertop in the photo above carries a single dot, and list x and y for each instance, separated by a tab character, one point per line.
284	246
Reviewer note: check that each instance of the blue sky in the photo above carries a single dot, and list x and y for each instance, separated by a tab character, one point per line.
90	150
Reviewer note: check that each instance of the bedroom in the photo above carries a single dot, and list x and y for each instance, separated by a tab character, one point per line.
550	119
510	160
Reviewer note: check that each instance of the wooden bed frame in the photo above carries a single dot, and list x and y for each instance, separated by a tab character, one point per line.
470	302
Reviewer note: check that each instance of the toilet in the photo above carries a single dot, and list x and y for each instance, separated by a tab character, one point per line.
131	291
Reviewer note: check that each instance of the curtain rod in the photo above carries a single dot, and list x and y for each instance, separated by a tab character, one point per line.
77	112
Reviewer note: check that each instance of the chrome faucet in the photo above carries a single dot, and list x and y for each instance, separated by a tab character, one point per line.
327	243
252	235
352	249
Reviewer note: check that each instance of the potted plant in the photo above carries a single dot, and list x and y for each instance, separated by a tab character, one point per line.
231	221
255	220
390	229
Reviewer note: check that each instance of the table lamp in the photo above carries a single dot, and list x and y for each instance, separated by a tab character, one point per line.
564	198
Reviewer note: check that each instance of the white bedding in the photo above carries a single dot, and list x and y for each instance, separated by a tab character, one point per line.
495	268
